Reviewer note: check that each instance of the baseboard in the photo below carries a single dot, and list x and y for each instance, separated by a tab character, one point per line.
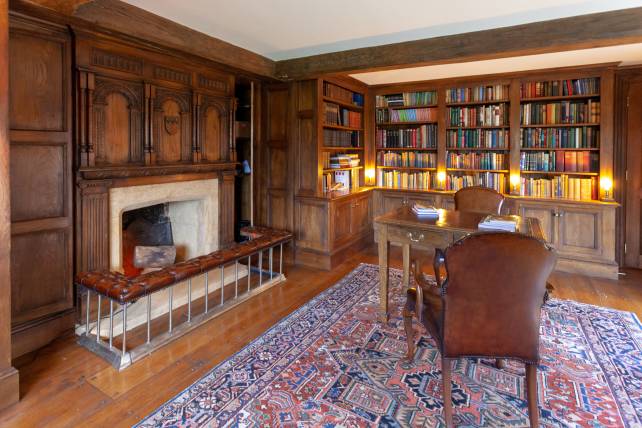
36	334
9	387
600	270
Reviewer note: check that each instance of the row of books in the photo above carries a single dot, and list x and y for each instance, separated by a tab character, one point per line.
335	115
340	160
406	99
568	161
422	180
556	88
341	94
560	187
339	138
341	180
477	138
561	138
476	160
478	93
407	115
422	137
560	112
492	180
407	159
489	115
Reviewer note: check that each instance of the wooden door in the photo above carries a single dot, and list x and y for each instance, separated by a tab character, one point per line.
342	221
633	233
275	175
41	181
360	215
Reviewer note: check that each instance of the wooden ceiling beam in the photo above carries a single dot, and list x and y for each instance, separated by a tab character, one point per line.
564	34
118	16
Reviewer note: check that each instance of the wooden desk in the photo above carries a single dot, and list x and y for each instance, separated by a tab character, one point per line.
402	226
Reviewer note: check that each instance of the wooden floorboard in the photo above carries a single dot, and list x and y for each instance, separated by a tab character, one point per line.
65	385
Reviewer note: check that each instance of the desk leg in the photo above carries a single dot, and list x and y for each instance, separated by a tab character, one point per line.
384	250
405	250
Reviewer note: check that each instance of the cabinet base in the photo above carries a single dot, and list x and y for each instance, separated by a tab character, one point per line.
9	387
327	261
599	270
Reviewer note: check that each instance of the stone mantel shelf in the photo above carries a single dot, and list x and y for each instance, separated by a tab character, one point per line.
126	171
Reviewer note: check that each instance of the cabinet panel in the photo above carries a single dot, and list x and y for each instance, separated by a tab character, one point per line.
580	231
360	215
546	217
342	221
391	202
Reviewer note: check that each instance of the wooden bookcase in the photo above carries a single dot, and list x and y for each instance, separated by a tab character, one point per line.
583	231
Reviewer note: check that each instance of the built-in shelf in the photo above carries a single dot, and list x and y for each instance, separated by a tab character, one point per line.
343	104
478	149
559	173
341	127
342	148
406	168
560	98
474	103
560	125
347	168
566	149
479	127
418	122
408	107
476	170
413	149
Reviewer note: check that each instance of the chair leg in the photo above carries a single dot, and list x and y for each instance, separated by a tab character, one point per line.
531	394
446	378
410	334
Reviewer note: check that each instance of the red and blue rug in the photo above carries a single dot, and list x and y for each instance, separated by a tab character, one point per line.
332	364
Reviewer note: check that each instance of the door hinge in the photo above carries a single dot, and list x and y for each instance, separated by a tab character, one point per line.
627	100
625	247
626	175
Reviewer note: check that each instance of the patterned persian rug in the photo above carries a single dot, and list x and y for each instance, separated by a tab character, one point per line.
331	363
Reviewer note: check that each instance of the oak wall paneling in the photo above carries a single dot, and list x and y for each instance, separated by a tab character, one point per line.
41	165
9	387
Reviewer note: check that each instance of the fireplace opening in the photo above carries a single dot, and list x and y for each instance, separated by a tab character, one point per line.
147	239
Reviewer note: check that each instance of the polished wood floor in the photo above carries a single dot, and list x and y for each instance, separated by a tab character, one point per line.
65	385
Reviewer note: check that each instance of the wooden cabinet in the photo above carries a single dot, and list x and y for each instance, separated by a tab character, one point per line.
583	233
329	229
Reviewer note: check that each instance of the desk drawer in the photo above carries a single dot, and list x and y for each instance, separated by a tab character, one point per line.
427	238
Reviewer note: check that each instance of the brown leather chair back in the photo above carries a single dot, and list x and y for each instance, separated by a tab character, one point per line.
493	295
479	199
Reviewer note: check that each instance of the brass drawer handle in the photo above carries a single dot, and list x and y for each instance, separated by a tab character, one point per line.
413	239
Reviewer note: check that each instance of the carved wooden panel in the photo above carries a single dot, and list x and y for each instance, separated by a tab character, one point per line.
93	226
38	187
278	208
215	129
117	121
342	221
116	61
40	274
38	78
226	208
312	224
172	126
41	180
546	220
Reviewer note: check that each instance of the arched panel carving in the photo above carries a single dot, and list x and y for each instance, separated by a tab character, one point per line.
215	129
116	121
172	126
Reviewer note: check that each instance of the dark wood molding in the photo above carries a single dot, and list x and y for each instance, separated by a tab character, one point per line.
128	171
578	32
8	375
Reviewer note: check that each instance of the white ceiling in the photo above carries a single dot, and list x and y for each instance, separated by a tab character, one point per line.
626	54
283	29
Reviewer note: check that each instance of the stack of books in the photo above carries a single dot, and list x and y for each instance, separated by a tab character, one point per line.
344	161
507	223
424	211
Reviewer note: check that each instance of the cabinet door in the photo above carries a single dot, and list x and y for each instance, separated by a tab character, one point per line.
547	219
447	203
429	200
342	221
360	215
392	201
580	231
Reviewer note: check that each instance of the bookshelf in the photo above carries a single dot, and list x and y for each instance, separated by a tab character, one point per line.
560	138
477	136
406	136
342	137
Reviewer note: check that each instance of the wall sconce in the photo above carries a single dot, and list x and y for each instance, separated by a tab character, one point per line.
514	183
606	184
370	175
441	179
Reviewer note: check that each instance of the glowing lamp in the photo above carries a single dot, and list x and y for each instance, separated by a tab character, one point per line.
514	182
606	184
370	174
441	176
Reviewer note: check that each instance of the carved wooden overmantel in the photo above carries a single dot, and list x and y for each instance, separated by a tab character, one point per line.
146	117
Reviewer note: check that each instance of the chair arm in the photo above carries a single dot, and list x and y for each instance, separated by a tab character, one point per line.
438	261
548	292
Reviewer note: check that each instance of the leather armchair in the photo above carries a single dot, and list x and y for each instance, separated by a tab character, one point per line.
479	199
487	306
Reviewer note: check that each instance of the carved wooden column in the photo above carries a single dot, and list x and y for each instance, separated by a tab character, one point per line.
8	375
149	151
196	126
92	235
85	113
226	208
232	143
